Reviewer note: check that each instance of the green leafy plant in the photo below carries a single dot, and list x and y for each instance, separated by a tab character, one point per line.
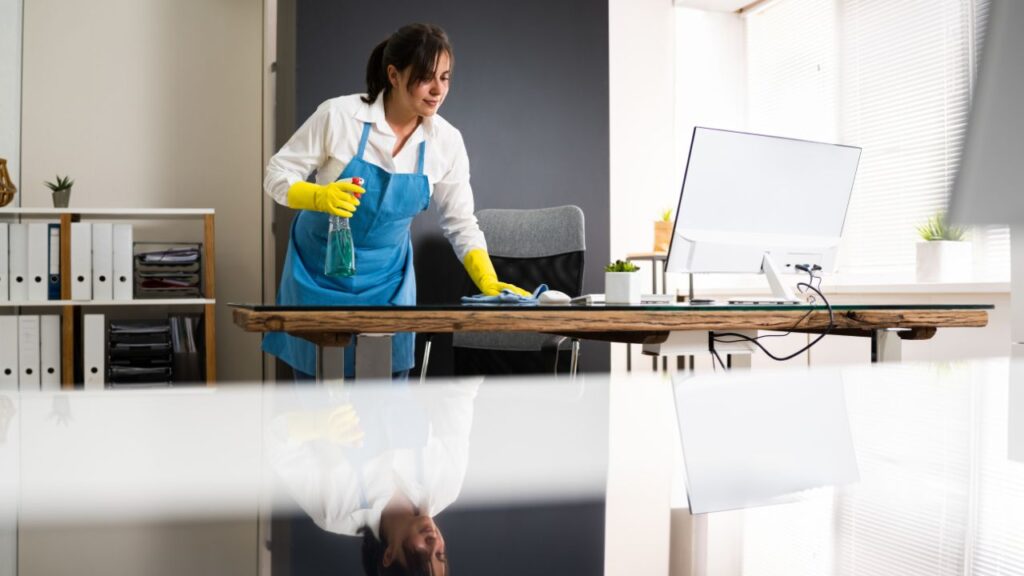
666	215
62	183
620	266
936	229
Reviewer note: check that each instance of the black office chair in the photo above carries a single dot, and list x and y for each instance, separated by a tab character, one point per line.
528	248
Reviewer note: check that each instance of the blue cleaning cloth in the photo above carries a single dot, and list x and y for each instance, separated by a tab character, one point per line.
507	297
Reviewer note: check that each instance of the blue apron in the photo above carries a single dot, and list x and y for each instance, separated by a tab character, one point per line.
384	270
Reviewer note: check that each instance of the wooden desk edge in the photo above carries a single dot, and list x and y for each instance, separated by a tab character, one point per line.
651	326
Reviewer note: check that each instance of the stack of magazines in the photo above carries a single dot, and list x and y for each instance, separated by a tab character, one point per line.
139	354
170	270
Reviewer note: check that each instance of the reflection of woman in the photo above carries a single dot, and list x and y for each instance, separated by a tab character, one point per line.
380	467
407	156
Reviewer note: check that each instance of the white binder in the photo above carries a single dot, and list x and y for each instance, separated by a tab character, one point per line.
5	267
81	261
28	352
18	241
38	261
102	254
94	350
49	351
9	353
123	279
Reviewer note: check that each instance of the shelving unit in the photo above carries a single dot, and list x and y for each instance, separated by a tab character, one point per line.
68	306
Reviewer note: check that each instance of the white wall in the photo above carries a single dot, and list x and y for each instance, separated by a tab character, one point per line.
10	87
640	43
155	104
10	132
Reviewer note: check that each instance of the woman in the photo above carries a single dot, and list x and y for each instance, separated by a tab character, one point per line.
406	154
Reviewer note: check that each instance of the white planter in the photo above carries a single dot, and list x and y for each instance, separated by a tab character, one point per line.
622	287
944	261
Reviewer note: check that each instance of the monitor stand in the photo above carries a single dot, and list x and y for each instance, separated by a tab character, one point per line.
781	294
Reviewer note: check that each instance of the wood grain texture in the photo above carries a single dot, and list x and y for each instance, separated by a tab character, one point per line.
594	321
67	314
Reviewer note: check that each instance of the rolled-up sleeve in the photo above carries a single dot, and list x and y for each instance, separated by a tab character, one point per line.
304	152
453	198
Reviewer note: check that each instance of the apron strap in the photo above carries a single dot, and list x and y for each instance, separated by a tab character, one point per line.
419	157
362	141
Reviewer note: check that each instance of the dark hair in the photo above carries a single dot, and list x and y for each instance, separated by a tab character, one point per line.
416	45
373	558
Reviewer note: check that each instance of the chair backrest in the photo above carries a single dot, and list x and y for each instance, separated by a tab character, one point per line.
530	247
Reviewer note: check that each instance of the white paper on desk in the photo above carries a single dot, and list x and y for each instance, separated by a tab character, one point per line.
754	439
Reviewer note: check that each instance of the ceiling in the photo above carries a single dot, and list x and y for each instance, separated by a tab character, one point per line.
716	5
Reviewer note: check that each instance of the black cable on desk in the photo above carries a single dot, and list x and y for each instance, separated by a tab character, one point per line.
744	338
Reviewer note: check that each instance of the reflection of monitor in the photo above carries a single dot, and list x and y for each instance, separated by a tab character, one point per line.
753	203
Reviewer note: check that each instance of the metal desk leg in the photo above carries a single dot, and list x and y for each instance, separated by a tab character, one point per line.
886	346
373	356
318	375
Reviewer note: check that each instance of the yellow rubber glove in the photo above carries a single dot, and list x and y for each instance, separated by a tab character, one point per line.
337	198
480	269
339	426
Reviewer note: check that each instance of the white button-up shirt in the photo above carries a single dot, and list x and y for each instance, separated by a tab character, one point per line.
329	139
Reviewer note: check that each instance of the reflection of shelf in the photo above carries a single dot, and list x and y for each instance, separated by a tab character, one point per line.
136	302
111	213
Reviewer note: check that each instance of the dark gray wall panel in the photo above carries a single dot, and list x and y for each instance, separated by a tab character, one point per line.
529	93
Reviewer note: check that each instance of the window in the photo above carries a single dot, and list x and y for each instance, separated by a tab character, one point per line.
892	77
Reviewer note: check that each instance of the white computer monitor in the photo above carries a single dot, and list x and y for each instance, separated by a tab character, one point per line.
752	203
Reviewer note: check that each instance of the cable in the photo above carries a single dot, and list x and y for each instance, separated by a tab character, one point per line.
719	358
754	340
811	300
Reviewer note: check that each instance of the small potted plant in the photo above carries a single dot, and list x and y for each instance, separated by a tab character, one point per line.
622	284
943	255
61	191
663	231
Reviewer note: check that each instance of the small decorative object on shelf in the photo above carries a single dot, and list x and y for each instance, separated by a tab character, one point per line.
61	191
7	188
621	283
944	255
663	231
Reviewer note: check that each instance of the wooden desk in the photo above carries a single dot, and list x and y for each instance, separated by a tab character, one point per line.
642	324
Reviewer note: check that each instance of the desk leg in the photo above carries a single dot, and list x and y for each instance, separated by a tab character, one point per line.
318	375
373	356
886	346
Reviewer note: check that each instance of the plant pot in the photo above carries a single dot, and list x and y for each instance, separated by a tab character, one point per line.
622	287
944	261
61	198
662	235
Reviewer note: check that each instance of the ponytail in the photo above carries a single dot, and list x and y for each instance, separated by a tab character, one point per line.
376	74
416	46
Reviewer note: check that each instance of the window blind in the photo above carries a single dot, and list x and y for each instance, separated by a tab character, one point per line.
894	78
792	70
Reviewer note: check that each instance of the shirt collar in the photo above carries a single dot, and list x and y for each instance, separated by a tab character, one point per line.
375	113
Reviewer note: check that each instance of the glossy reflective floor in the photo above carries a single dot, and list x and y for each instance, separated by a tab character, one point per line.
885	469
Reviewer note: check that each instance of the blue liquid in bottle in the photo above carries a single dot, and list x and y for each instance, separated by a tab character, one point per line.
341	253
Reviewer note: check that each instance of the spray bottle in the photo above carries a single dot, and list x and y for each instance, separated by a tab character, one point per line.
341	252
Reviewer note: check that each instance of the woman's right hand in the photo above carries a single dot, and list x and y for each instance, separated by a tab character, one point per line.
337	198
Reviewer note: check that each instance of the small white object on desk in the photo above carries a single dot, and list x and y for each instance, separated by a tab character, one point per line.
553	297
